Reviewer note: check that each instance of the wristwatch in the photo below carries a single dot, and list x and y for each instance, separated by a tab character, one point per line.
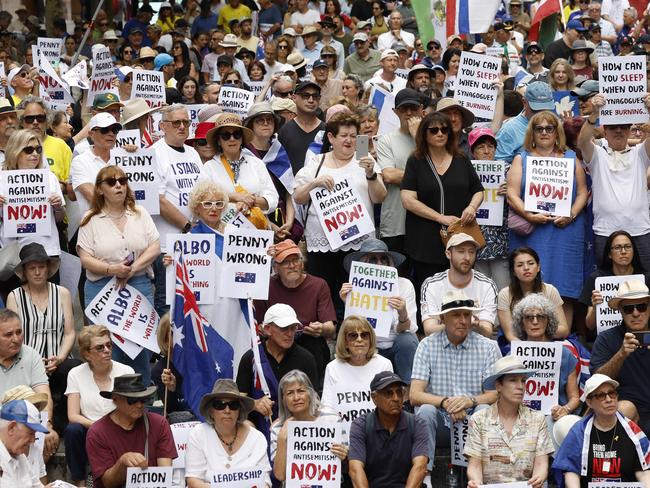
187	228
371	178
474	402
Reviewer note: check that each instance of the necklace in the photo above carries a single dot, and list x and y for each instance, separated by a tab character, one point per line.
231	443
118	217
606	464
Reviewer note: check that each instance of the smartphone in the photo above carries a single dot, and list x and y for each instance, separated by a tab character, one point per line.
128	260
362	146
643	337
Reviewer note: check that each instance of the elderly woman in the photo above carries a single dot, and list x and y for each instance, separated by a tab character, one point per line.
243	176
352	89
528	439
118	239
85	404
369	124
616	449
324	171
298	401
401	343
225	441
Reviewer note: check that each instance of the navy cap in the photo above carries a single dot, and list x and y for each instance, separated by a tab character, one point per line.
384	379
577	25
407	96
319	63
306	84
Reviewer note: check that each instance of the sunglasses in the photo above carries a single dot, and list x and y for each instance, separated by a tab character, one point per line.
31	149
233	82
127	79
613	394
216	204
537	317
30	119
112	181
23	74
544	129
353	336
281	94
105	130
177	123
385	260
629	309
435	130
534	51
100	347
221	405
307	96
200	142
225	135
128	52
133	401
283	47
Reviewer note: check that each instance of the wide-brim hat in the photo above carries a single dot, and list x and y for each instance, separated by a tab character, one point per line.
147	52
136	108
35	253
296	60
130	386
372	246
447	103
629	290
580	45
228	120
261	108
225	388
310	29
420	67
24	392
457	300
201	132
504	366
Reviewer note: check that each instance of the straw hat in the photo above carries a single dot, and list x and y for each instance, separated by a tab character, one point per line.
457	300
228	120
446	103
630	290
261	108
24	392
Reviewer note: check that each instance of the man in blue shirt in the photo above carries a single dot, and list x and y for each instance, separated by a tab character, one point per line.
142	20
270	19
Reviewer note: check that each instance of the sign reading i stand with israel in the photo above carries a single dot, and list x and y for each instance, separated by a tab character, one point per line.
492	174
549	185
246	265
309	460
606	318
543	388
200	258
474	88
26	211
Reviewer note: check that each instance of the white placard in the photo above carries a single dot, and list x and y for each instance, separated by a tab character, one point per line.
150	86
492	174
77	76
60	484
193	111
128	137
474	88
129	348
236	219
459	433
50	48
496	52
402	73
70	272
3	90
151	477
200	257
616	484
341	213
549	185
126	312
623	82
53	89
246	265
181	432
351	403
256	87
543	388
26	211
384	102
606	318
236	100
372	286
309	460
101	80
238	478
140	167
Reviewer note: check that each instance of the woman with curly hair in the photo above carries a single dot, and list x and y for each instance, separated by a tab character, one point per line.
189	90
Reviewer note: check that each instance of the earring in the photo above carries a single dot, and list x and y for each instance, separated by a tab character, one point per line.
534	145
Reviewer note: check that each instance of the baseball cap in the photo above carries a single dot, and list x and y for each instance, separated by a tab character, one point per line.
589	87
289	31
281	315
306	84
595	382
162	60
461	238
136	29
384	379
360	36
23	412
479	132
503	26
387	53
284	249
539	96
533	45
103	120
644	39
576	24
453	38
225	59
319	63
479	48
407	96
399	46
105	100
362	24
18	69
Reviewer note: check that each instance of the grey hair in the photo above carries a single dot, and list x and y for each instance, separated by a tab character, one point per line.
364	110
297	376
358	82
7	314
174	107
29	100
539	301
633	12
285	78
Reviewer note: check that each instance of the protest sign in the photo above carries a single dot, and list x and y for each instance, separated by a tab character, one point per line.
402	73
492	174
26	211
246	266
372	286
77	76
140	167
181	432
200	257
474	88
238	478
459	434
514	484
129	348
542	389
622	81
616	484
128	137
384	102
193	111
496	52
549	185
236	100
60	484
50	48
151	477
3	90
126	312
606	318
341	213
101	80
350	403
53	89
566	105
309	460
257	87
231	217
150	86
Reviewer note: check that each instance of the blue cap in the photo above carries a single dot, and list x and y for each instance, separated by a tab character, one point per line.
539	96
319	63
23	412
576	24
161	60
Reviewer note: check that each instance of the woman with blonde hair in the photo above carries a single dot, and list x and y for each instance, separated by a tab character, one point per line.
561	76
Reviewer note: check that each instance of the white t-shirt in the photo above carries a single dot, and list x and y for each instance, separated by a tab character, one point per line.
407	292
614	9
310	17
620	197
391	86
84	169
387	39
93	406
607	28
178	172
481	289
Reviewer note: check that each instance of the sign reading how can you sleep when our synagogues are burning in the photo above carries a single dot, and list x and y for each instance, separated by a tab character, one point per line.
543	388
549	185
606	317
623	82
474	88
309	460
26	211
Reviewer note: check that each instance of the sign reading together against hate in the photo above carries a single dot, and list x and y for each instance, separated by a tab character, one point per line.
543	388
549	185
459	433
341	213
151	477
372	286
200	257
623	82
309	460
606	317
140	168
492	175
474	88
236	100
101	80
26	211
238	478
150	86
245	263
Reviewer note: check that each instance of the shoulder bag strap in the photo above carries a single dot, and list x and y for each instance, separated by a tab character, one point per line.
320	165
442	190
146	436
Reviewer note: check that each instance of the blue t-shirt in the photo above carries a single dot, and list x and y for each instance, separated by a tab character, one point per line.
204	24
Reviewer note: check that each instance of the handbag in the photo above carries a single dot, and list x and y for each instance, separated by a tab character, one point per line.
518	224
472	229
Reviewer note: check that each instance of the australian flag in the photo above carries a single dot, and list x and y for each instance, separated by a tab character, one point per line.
139	194
349	232
242	277
200	353
26	228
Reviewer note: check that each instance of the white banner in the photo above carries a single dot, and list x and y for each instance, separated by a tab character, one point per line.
246	266
53	89
77	76
459	434
26	211
351	403
492	174
549	185
474	88
151	477
150	86
200	257
623	82
606	318
238	478
309	460
543	388
50	48
101	80
236	100
140	167
181	432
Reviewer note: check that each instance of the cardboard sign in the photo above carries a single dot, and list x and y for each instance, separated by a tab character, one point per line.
129	348
309	460
50	48
140	168
236	100
474	87
341	213
193	111
181	432
77	76
238	478
200	257
151	477
372	286
606	318
246	266
542	389
26	211
350	404
101	80
150	86
492	174
459	433
549	185
623	82
125	312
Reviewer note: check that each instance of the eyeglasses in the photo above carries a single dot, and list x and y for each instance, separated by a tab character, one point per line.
133	401
281	94
127	51
31	149
226	135
216	204
353	336
105	130
30	119
265	120
177	123
101	347
629	309
622	247
221	405
544	129
537	317
613	394
112	181
307	96
435	130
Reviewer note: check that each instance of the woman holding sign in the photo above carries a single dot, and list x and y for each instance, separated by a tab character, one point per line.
558	239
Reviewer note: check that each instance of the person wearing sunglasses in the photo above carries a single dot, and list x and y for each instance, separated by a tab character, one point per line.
21	79
606	444
116	441
199	142
85	405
